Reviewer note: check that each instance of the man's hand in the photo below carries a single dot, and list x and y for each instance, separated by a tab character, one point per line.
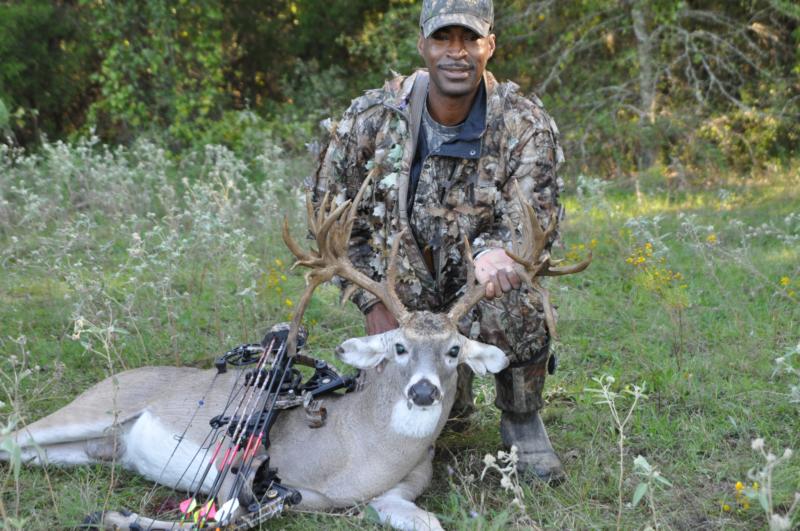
380	320
495	270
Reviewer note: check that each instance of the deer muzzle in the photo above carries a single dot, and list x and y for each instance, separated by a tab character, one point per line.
424	393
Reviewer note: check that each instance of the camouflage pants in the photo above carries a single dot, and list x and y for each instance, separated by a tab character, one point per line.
515	324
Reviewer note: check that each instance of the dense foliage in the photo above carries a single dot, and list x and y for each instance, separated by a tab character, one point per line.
679	84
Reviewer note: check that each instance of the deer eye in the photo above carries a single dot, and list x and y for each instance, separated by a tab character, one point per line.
400	349
453	352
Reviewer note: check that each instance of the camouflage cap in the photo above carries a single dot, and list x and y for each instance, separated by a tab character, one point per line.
477	15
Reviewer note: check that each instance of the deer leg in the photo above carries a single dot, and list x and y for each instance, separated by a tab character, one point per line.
314	500
128	520
68	444
396	507
97	450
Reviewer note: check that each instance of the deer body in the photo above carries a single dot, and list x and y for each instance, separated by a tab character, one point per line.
375	440
338	460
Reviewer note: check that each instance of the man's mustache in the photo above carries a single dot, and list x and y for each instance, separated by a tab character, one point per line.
456	66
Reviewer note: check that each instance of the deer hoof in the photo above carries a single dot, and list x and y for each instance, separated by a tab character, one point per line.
93	520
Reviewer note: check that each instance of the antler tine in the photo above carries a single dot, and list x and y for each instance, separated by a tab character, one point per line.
566	270
340	238
312	281
534	239
322	212
475	292
325	239
398	308
549	313
302	256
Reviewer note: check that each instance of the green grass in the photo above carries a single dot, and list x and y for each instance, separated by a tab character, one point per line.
187	296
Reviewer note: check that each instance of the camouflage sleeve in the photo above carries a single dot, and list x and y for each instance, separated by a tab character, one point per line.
340	170
534	157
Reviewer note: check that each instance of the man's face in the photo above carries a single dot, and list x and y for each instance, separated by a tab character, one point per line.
456	58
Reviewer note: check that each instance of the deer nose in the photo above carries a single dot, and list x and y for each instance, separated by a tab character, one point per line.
424	393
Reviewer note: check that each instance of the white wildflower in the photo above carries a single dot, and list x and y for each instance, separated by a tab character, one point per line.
489	460
779	523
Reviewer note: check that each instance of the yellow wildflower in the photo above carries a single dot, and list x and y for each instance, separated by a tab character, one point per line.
739	486
288	302
755	486
726	507
278	262
711	238
785	281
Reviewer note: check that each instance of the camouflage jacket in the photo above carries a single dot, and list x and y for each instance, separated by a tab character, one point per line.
454	197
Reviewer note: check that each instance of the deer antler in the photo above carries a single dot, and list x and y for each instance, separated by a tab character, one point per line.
527	253
475	292
331	229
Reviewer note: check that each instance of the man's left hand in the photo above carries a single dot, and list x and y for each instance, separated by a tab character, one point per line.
495	270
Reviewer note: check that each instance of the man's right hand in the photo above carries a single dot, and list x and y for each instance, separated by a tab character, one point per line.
379	320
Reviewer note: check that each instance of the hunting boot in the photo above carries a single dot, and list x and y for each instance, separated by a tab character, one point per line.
519	398
536	455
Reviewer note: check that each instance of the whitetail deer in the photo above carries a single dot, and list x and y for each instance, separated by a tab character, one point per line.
376	446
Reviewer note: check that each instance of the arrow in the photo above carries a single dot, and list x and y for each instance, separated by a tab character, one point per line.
226	511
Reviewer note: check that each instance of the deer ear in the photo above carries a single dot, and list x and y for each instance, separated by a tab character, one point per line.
365	352
482	357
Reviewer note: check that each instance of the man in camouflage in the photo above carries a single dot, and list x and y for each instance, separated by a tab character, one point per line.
445	147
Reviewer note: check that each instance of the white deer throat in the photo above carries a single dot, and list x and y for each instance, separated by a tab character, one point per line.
417	422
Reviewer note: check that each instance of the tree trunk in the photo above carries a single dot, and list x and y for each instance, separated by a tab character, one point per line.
647	85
